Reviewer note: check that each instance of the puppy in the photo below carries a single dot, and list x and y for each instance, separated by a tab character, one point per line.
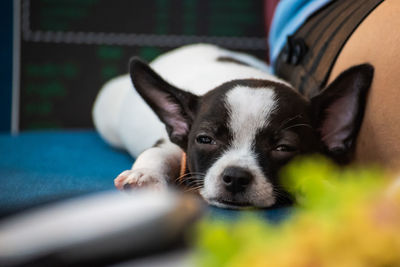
237	124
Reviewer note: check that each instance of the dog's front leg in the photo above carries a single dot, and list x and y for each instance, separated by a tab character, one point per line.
155	167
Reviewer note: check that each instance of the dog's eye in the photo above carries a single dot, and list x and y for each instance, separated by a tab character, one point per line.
204	139
285	148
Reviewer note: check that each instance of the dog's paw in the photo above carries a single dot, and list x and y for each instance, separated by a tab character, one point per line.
140	178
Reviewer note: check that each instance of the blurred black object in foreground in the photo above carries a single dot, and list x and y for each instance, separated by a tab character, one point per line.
99	229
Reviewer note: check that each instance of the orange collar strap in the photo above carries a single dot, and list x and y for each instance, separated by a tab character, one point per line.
183	167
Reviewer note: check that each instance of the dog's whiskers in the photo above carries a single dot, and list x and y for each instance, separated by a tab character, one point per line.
191	183
192	180
192	189
298	125
188	177
284	123
287	121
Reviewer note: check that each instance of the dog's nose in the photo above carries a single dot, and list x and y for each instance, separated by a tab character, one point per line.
236	179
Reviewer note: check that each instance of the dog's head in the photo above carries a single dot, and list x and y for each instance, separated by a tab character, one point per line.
239	135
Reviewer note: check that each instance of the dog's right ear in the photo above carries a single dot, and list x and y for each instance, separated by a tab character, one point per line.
175	107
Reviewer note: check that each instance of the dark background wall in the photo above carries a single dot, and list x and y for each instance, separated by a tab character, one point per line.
5	63
69	48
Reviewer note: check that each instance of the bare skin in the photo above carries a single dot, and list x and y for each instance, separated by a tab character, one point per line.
377	41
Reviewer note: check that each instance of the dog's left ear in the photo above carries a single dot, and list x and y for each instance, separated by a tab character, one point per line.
175	108
339	110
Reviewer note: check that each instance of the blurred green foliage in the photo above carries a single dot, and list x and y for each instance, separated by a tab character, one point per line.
344	217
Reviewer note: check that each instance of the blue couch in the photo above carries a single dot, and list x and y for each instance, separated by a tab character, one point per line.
38	167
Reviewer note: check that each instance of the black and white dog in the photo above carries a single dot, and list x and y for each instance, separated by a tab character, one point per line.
237	124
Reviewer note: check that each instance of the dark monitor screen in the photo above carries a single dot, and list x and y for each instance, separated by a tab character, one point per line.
69	48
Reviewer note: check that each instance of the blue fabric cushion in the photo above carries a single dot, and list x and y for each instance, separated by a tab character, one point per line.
44	166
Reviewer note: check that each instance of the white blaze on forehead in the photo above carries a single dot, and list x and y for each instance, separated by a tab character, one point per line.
249	110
